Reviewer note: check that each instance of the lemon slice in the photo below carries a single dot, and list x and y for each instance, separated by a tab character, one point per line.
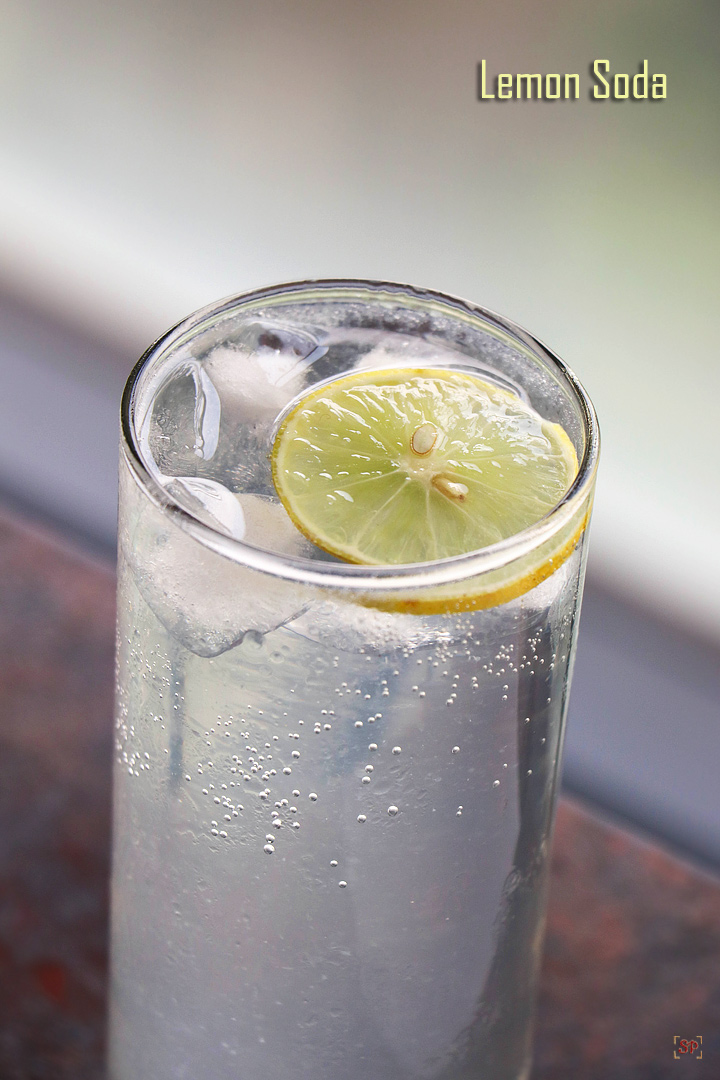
409	466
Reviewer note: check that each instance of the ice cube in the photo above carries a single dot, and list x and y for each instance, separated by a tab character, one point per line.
182	426
260	520
267	526
206	601
254	385
261	371
351	626
209	501
281	350
403	351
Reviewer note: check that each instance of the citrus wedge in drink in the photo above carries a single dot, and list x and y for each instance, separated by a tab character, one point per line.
404	465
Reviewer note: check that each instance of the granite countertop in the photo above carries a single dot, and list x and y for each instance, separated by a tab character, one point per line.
632	956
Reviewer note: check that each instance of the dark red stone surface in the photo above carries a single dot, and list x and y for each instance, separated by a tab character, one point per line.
632	958
633	944
56	657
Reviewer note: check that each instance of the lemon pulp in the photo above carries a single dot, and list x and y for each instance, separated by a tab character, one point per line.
408	466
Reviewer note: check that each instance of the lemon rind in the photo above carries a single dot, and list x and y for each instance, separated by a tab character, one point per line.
462	596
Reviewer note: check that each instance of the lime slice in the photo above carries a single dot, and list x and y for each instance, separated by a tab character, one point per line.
409	466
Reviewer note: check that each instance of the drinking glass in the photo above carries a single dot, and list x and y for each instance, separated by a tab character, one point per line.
334	784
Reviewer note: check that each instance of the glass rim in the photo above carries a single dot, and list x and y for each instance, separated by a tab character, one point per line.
349	576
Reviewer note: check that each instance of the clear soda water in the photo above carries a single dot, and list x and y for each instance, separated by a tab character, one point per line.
331	821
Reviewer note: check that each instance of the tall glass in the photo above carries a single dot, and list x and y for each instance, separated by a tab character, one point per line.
334	784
